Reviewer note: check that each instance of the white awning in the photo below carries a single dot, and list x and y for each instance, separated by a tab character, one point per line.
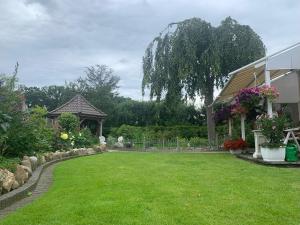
289	59
253	74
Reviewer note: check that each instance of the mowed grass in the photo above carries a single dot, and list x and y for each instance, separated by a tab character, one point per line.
165	188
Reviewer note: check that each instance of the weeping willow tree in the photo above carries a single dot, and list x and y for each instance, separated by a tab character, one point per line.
191	58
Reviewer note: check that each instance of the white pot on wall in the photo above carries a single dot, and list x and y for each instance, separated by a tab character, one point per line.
273	154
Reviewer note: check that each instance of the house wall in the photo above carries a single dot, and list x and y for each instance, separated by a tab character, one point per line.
288	87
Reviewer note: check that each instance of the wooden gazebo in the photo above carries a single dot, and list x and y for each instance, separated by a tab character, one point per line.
82	108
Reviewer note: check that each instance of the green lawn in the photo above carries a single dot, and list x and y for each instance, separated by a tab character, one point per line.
165	188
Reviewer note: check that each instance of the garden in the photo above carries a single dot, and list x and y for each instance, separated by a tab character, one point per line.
150	172
27	139
165	188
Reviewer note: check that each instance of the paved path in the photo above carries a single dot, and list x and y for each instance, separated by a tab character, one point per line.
42	186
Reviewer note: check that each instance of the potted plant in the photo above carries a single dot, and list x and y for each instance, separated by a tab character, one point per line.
235	146
272	128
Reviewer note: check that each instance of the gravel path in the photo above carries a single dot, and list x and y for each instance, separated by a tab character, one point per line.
42	186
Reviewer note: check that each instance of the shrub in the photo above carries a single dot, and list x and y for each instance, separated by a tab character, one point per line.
30	133
9	163
84	138
198	141
68	122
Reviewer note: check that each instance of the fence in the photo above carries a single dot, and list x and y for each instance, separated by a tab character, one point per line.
168	145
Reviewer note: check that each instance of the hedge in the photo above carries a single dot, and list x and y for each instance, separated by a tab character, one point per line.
167	132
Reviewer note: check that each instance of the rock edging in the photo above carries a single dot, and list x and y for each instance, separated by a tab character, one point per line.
24	190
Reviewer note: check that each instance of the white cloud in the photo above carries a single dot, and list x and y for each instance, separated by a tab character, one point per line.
54	40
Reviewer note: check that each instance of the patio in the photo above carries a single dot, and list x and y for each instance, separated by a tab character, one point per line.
280	72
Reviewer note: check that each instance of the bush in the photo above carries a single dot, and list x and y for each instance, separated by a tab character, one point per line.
9	163
197	141
84	138
68	122
30	133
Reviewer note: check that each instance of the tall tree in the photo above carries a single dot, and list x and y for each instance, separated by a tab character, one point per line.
192	57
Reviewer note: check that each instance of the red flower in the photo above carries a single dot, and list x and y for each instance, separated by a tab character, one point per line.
235	144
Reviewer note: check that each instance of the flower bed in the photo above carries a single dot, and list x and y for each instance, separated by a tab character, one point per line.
237	144
10	181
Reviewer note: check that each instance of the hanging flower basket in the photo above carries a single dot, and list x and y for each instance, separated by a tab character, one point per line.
223	114
269	92
248	98
238	110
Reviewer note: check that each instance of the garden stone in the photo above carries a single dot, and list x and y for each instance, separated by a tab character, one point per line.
42	160
2	176
15	185
8	181
28	170
21	175
103	148
96	148
66	154
27	163
90	151
74	152
49	156
82	151
57	155
25	157
71	152
34	162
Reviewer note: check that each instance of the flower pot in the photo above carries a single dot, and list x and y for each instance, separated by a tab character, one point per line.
273	154
236	152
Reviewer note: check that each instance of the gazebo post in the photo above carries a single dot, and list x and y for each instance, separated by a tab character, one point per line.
99	128
243	132
230	127
268	83
100	123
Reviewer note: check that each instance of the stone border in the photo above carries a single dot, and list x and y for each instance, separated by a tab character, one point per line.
23	191
284	164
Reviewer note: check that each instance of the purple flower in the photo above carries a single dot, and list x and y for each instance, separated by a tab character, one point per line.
223	114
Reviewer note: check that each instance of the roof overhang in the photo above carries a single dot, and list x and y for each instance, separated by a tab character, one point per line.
253	74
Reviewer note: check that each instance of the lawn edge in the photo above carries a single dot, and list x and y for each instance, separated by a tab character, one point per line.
22	192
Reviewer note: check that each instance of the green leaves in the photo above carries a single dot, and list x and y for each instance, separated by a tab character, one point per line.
68	122
4	122
192	57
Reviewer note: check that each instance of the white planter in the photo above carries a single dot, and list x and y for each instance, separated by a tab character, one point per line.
236	152
273	154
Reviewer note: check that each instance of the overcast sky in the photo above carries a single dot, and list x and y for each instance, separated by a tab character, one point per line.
54	40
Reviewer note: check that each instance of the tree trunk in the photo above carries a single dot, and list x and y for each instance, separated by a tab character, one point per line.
211	130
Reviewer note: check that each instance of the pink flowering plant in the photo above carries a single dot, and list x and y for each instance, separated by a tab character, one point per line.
273	129
238	109
269	92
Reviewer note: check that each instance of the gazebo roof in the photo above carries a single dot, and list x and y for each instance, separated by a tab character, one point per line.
78	105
